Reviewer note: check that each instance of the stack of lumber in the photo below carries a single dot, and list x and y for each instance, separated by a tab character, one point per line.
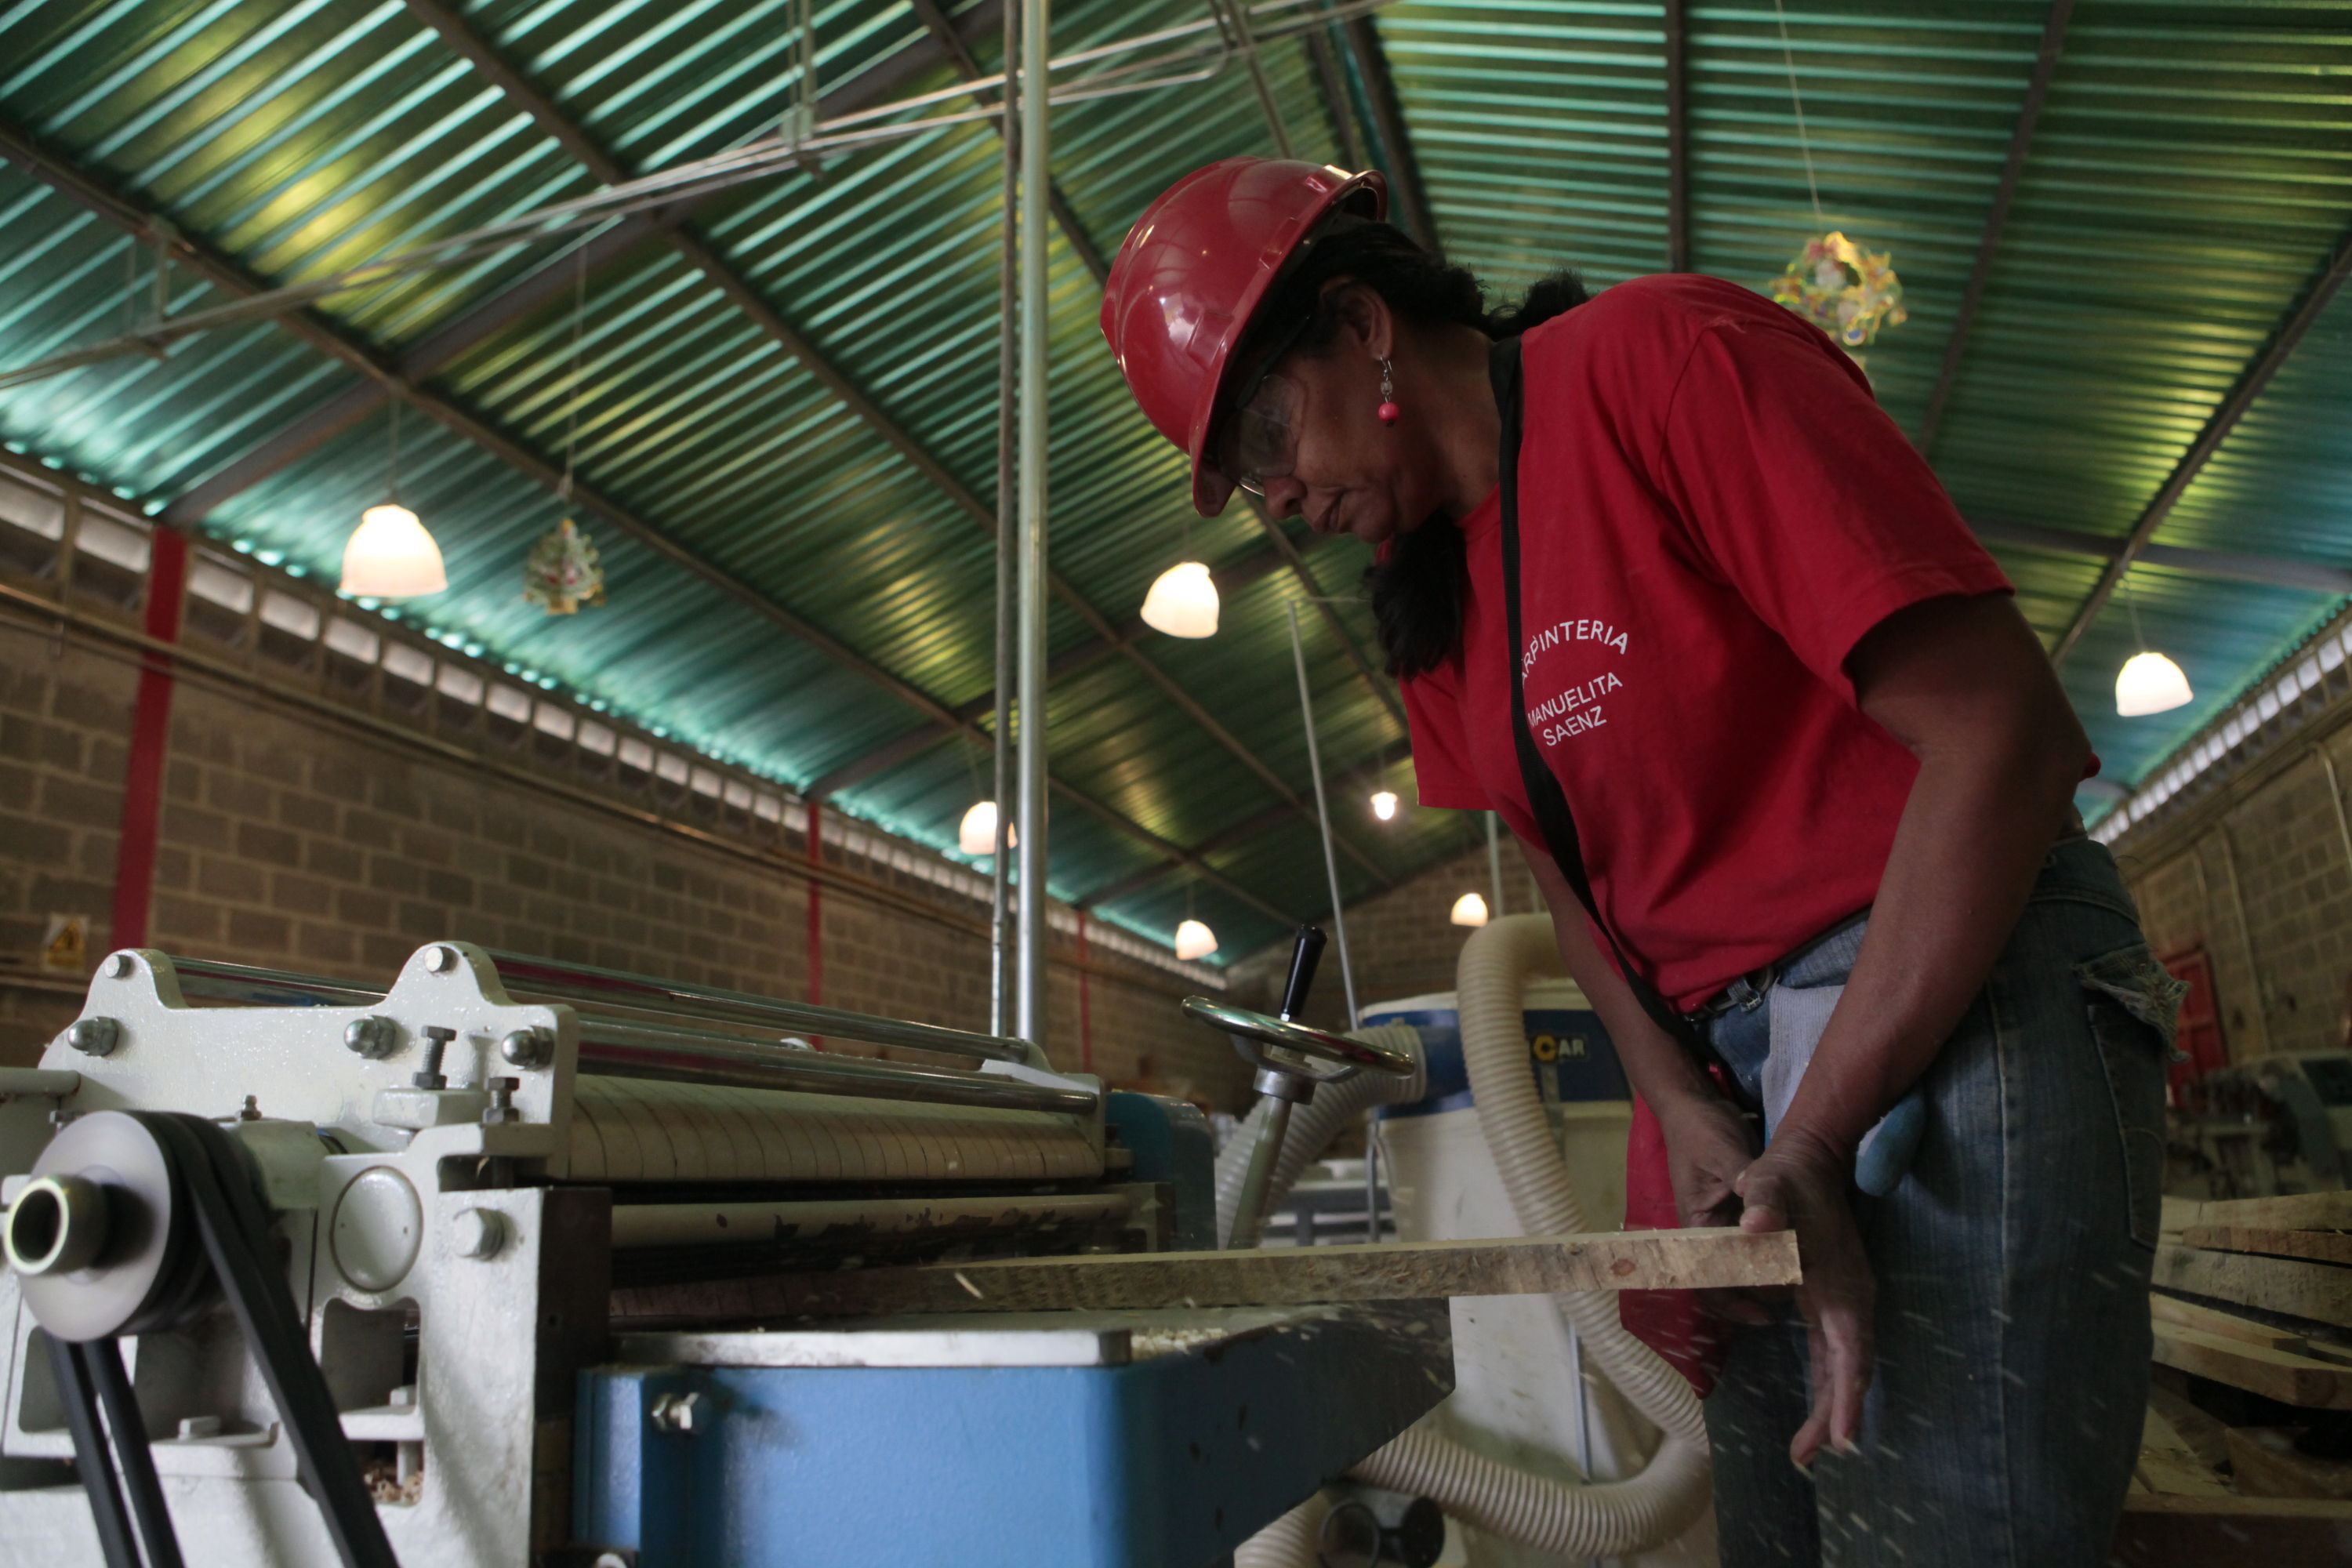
2255	1294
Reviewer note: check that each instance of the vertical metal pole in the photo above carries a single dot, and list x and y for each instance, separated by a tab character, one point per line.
1037	19
1000	946
1323	814
1495	861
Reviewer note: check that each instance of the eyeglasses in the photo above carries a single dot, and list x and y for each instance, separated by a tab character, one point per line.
1260	441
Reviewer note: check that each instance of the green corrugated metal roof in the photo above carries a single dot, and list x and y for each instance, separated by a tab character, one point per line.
2190	173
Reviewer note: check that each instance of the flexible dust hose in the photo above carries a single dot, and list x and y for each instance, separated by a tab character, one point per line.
1607	1520
1314	1124
1289	1542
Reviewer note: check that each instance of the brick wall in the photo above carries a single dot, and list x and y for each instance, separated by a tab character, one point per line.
2259	874
298	837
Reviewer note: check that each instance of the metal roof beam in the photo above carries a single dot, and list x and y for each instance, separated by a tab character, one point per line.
2012	170
230	276
1388	124
1225	838
1678	64
2272	571
1334	91
493	315
2257	375
951	43
1077	656
459	35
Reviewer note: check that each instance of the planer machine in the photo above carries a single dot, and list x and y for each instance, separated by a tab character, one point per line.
303	1271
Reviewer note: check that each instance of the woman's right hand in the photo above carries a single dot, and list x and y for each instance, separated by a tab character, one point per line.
1708	1144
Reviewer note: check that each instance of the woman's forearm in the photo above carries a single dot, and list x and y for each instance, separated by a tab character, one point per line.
1992	792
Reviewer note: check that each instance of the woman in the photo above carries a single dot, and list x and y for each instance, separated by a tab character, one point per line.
1796	780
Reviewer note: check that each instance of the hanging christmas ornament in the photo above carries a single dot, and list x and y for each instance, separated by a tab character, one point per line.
1851	293
563	572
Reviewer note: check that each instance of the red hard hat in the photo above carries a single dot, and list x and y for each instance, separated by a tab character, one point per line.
1193	271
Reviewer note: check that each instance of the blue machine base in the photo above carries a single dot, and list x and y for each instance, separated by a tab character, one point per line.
1167	1462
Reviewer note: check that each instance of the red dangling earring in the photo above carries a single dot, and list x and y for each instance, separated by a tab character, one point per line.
1388	410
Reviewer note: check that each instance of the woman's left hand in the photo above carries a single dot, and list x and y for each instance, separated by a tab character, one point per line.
1801	1186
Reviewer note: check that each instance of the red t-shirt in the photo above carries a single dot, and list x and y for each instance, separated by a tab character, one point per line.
1713	513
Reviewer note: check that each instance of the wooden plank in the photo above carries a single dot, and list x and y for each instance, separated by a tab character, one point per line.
2266	1464
2297	1211
2162	1532
2163	1308
2274	1284
2279	1375
2166	1465
2205	1437
2319	1245
1614	1260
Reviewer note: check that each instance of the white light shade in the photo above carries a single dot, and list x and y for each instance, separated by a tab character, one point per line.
1194	939
977	833
390	557
2149	683
1469	910
1183	602
1384	804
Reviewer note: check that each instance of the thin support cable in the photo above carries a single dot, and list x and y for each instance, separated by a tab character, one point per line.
1797	99
392	466
572	374
1322	813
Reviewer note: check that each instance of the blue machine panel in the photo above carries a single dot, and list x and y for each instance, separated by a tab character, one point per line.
1168	1462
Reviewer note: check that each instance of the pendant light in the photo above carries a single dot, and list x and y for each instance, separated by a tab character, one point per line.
1194	939
976	835
1183	602
390	555
2148	681
1384	805
1469	910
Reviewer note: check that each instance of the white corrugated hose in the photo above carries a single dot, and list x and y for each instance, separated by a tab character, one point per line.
1607	1519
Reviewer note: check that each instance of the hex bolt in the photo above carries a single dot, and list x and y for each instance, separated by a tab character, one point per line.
440	958
531	1047
94	1036
675	1412
477	1233
502	1106
375	1037
119	966
437	1043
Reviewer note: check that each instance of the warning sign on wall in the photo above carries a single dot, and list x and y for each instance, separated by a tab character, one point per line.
67	945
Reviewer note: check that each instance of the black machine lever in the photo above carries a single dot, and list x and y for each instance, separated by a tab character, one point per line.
1305	954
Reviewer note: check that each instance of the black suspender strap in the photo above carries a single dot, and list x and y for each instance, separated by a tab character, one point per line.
1545	797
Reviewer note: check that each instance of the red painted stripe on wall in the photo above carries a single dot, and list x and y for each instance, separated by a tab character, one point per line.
1086	1004
815	913
151	743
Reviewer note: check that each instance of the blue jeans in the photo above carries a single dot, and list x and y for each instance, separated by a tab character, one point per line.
2012	1261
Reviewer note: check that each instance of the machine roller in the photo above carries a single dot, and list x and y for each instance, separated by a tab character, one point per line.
303	1271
